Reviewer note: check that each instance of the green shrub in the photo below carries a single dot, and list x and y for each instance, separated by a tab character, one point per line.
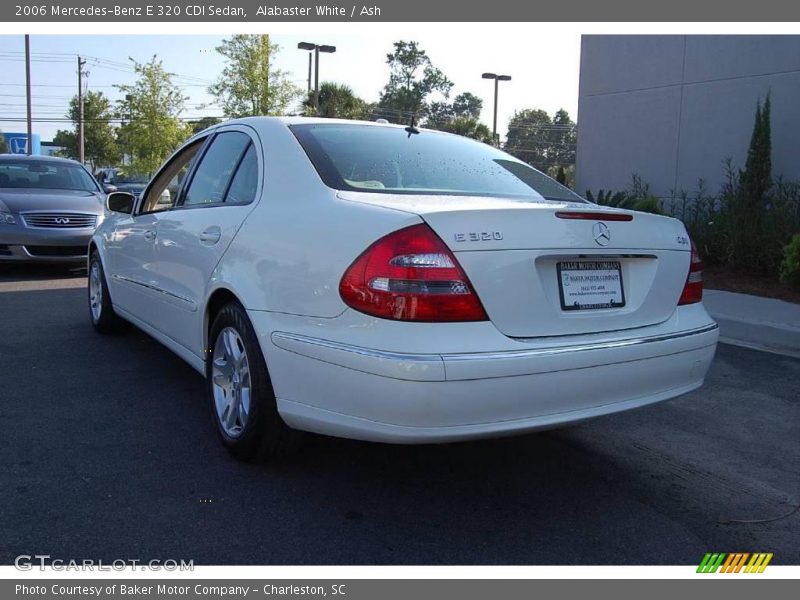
790	267
609	198
638	197
700	213
650	204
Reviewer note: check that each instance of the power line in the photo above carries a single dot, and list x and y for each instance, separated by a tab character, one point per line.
100	62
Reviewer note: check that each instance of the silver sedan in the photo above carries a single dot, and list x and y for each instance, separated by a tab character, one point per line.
49	208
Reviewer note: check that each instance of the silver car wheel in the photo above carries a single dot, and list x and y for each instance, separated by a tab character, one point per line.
95	291
230	379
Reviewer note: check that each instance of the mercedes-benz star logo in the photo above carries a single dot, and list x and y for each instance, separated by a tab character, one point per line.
601	234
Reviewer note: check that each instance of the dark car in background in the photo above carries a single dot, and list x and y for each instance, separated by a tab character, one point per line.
120	180
49	208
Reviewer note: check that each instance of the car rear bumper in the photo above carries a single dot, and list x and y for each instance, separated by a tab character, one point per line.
357	392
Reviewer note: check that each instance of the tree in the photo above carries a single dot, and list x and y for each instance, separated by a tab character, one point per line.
3	145
438	114
526	137
755	246
337	101
412	79
756	178
100	137
468	127
564	139
250	84
466	105
542	141
152	107
204	123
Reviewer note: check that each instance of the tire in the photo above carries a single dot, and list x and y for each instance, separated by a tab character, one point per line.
240	395
101	310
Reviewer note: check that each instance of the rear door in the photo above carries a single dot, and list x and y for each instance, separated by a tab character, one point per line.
194	235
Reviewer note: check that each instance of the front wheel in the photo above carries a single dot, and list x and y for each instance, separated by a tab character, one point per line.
240	393
101	311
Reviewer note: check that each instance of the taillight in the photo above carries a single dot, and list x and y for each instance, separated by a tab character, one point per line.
410	275
693	290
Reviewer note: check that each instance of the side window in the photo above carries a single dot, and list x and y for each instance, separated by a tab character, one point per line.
210	180
243	186
163	193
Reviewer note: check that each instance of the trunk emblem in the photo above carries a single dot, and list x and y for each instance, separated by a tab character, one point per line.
478	236
601	234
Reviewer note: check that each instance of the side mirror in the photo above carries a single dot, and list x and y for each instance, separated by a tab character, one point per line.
108	188
121	202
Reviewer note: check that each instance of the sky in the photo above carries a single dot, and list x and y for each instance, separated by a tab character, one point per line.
544	69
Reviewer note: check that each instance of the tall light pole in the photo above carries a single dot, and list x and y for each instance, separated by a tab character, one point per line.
497	79
316	48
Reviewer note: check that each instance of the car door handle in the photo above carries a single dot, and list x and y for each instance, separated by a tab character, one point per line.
150	235
211	235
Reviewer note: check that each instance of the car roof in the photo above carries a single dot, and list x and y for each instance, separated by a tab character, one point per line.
38	158
258	122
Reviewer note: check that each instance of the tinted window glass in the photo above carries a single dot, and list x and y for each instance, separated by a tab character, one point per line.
47	175
244	183
163	193
216	168
392	160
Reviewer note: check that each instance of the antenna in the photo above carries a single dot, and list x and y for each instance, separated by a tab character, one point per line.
411	129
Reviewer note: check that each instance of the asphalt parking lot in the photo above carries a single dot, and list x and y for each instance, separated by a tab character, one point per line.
107	452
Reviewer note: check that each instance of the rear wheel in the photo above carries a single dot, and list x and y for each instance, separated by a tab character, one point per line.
240	393
101	311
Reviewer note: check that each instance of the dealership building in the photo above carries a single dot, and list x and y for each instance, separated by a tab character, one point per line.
672	108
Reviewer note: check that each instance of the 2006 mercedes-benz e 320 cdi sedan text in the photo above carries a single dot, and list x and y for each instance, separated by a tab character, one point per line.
387	283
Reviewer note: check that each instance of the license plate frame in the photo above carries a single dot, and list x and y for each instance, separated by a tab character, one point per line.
595	268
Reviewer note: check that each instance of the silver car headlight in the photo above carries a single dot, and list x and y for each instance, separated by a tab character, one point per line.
6	218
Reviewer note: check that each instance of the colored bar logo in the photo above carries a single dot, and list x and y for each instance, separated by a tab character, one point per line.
735	562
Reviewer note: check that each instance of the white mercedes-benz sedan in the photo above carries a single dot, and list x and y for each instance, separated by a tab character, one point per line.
395	284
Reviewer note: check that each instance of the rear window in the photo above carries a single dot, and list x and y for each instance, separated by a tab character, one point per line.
45	175
391	160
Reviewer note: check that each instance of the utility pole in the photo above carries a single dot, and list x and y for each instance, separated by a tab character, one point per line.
29	144
81	157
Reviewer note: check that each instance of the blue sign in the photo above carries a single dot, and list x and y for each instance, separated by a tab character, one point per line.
18	143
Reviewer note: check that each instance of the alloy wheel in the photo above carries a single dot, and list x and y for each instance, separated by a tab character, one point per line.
95	291
230	378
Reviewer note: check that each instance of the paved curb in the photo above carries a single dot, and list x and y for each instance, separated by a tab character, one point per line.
764	323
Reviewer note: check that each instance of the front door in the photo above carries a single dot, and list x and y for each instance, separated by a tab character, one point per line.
132	269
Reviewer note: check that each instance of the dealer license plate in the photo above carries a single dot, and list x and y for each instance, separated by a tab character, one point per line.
590	285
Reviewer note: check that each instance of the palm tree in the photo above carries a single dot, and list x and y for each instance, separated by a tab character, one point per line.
337	101
468	127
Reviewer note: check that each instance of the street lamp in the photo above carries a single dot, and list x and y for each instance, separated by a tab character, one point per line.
316	48
497	78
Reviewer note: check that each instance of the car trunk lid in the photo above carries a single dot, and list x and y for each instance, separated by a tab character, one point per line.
553	268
